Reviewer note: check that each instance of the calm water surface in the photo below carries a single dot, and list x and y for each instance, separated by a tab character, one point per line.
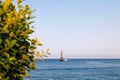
77	69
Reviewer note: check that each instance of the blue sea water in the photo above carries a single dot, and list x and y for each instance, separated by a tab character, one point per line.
76	69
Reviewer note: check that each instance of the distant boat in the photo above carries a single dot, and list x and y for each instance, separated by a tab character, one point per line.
61	57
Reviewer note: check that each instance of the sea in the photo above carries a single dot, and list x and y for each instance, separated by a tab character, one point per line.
76	69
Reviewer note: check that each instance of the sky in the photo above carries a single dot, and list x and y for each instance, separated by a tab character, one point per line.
80	28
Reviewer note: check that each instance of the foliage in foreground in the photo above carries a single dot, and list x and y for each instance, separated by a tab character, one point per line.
16	48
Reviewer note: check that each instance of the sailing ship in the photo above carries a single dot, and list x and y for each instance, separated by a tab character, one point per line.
61	57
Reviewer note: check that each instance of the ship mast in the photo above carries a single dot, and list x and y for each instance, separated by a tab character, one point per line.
61	53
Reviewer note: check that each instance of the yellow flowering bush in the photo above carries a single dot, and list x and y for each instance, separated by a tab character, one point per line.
16	48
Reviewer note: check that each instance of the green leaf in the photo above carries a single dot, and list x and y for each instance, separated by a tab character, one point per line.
11	34
25	57
13	42
0	40
0	77
6	67
12	58
7	54
22	47
8	43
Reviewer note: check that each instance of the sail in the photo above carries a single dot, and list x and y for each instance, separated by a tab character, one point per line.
61	57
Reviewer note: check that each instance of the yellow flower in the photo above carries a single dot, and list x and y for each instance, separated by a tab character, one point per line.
6	4
19	1
36	39
37	53
47	50
16	14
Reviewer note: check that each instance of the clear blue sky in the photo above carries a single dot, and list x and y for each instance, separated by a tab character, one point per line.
81	28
